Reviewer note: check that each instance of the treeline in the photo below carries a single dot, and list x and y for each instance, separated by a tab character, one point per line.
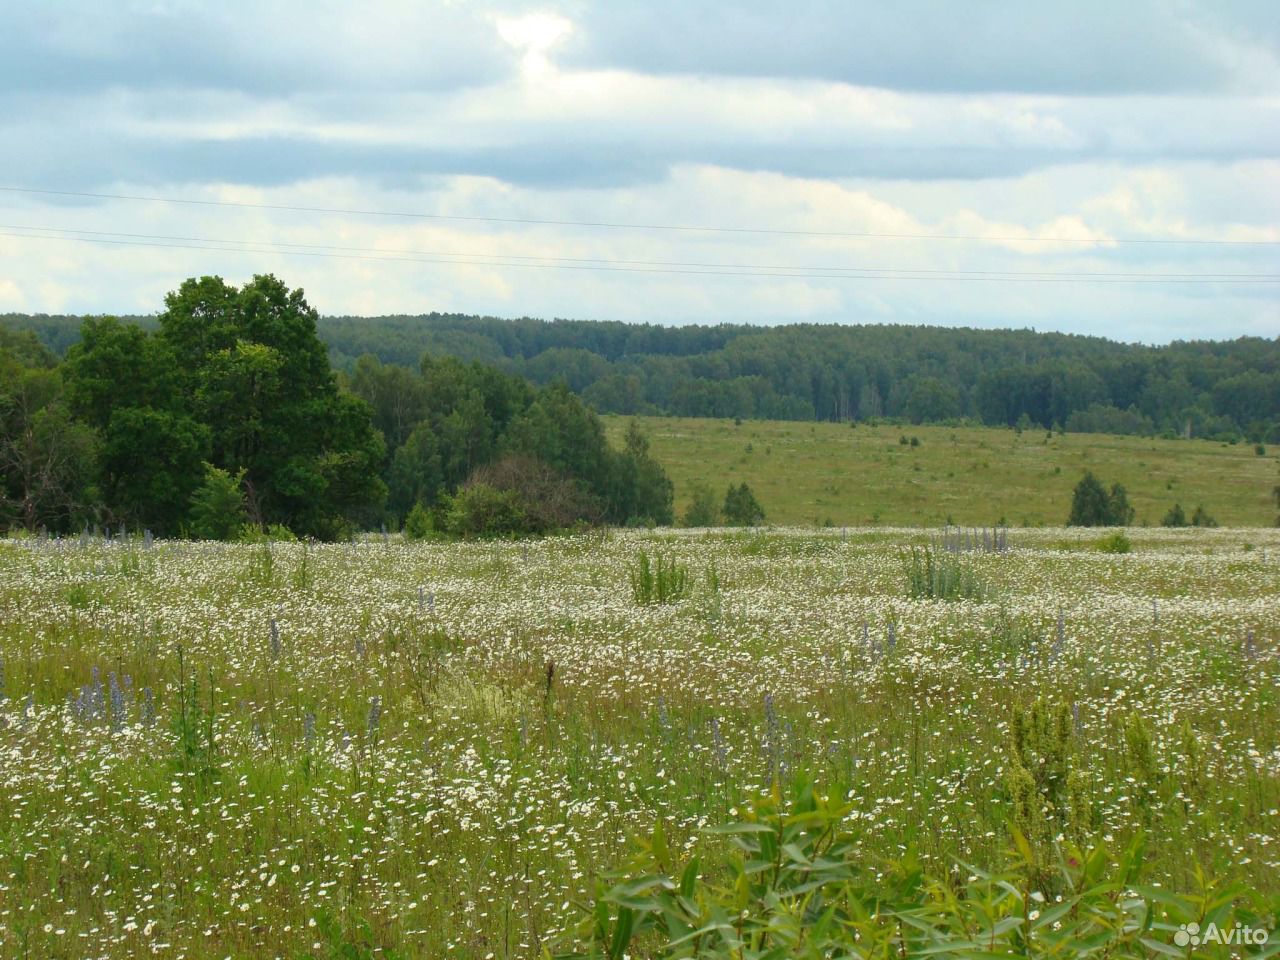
1227	389
224	411
826	372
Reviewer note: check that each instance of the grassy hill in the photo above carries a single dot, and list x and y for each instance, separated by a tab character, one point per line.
813	473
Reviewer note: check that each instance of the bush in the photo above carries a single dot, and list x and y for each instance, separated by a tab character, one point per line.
797	886
1116	543
703	511
1201	518
1176	517
658	581
548	499
217	505
1093	506
272	533
418	524
741	509
481	511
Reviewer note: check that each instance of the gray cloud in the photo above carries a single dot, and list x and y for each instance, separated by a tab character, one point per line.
264	49
164	138
1138	118
1086	47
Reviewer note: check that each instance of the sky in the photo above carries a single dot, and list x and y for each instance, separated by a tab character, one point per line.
1101	168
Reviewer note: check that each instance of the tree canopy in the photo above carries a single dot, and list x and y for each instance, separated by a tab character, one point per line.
225	409
830	372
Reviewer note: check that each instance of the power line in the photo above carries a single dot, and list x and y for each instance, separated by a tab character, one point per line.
686	228
450	259
481	258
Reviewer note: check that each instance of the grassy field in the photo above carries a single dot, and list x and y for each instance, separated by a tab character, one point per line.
808	474
213	751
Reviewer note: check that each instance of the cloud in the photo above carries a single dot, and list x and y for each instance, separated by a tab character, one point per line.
1088	47
1143	119
269	48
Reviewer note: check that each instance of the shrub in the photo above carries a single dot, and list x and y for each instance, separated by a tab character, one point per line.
658	581
217	505
741	509
1116	543
1201	518
934	574
1093	506
1176	517
418	524
272	533
481	511
548	499
703	511
796	886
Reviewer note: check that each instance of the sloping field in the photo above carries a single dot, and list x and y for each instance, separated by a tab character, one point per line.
809	474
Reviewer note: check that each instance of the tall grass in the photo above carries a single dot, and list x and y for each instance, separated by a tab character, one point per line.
935	574
657	581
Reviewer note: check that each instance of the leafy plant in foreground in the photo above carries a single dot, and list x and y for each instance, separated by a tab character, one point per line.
795	887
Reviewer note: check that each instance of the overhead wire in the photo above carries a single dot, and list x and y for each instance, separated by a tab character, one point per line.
614	225
375	254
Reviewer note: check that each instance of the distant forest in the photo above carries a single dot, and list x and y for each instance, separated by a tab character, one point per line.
1220	389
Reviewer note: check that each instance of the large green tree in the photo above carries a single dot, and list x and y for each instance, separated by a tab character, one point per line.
127	385
261	383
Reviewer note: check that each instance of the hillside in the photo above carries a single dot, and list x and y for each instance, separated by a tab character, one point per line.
812	372
812	473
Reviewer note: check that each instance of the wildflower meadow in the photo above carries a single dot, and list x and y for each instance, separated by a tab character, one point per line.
430	749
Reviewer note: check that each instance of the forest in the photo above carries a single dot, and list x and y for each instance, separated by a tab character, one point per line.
223	415
1216	389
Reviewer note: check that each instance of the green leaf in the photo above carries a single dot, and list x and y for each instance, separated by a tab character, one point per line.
622	933
739	828
1160	946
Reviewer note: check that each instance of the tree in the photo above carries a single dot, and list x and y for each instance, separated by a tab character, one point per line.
418	525
931	400
1176	517
125	383
415	475
262	385
398	398
1093	506
47	458
741	508
640	491
703	510
217	505
47	463
150	462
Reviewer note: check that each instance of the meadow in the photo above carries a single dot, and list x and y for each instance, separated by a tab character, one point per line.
246	750
815	473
